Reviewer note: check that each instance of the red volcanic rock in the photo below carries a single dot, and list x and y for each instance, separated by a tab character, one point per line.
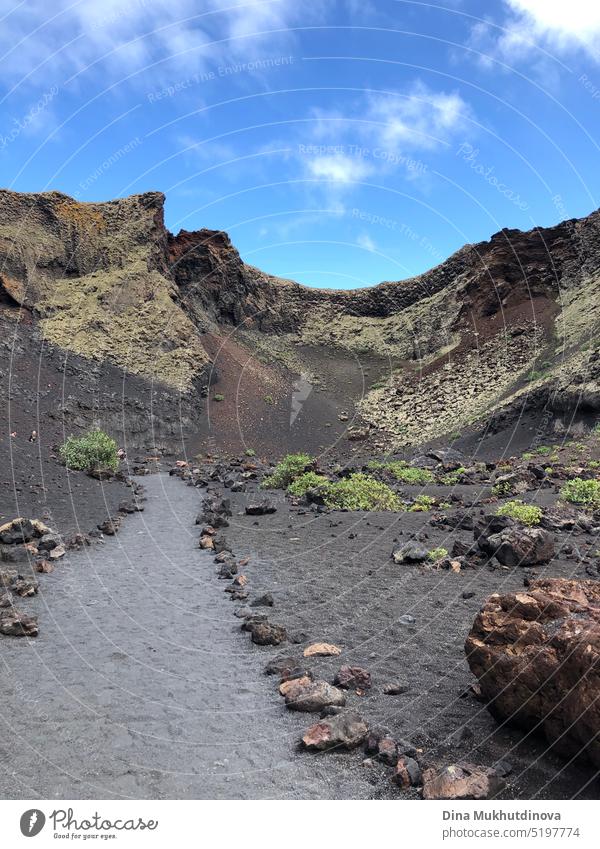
461	781
537	657
344	731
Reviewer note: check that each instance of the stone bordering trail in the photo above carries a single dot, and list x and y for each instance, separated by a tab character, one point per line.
340	727
308	594
34	548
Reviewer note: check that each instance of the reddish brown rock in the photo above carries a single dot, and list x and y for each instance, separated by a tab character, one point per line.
461	781
322	650
537	657
352	678
268	634
345	731
407	773
312	696
387	751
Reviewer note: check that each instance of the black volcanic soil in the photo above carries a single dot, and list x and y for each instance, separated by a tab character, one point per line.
139	684
332	580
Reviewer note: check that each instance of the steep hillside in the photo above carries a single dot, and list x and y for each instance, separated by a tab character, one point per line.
94	276
498	327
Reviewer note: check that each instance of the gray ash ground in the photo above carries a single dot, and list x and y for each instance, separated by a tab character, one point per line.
332	580
140	684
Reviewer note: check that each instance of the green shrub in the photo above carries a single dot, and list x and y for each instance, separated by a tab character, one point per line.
250	452
309	480
452	478
287	470
269	399
402	471
437	553
218	397
93	450
579	491
502	489
528	514
422	503
361	492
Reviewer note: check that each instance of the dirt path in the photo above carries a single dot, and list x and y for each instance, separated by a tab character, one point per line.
140	684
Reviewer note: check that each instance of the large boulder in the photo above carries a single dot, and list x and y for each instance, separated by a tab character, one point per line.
522	546
537	657
511	543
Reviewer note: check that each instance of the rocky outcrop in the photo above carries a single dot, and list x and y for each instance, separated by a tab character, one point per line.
110	283
96	277
536	654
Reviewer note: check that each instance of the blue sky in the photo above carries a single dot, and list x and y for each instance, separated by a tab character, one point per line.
340	143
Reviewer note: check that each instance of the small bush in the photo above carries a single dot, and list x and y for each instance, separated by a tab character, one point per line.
218	397
452	478
579	491
269	399
402	471
502	489
287	470
250	452
309	480
437	553
93	450
361	492
422	503
528	514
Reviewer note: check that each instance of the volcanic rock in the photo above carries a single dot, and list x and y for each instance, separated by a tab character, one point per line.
522	546
260	508
412	552
268	634
407	773
312	696
537	657
344	731
461	781
322	650
352	678
15	623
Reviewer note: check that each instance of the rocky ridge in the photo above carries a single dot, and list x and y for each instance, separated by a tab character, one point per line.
519	312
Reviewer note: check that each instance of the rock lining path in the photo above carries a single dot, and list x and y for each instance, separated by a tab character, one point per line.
141	685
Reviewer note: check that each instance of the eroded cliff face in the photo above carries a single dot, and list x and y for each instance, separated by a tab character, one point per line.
499	325
500	322
95	276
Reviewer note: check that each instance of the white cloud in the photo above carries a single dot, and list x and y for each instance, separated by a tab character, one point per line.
363	240
66	37
420	117
338	168
555	26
